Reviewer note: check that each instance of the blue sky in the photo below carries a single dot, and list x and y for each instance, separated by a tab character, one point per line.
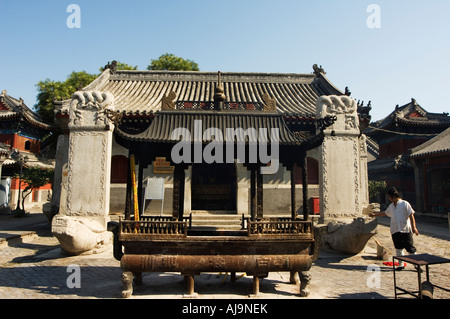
409	56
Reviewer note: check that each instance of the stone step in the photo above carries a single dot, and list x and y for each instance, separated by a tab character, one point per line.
215	212
216	220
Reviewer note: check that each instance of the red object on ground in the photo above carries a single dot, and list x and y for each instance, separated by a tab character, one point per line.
389	263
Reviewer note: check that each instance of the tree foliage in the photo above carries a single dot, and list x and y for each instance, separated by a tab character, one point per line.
377	188
36	177
33	178
170	62
49	91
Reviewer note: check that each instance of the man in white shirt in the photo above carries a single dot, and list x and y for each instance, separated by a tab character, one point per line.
403	223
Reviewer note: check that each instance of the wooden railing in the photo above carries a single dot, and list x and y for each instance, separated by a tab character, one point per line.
246	220
165	219
169	228
282	226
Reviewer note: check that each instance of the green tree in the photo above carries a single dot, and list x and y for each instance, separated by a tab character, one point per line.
170	62
377	188
49	91
33	178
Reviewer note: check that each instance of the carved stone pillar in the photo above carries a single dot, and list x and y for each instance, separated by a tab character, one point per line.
339	162
81	225
342	180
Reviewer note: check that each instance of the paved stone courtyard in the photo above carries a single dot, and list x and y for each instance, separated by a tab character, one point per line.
34	268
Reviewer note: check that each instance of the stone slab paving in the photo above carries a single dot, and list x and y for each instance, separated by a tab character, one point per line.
35	268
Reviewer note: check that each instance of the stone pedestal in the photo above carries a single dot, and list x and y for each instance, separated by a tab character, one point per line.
349	236
343	176
81	224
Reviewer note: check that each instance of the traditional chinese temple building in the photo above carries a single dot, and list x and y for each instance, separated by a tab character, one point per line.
23	130
431	162
286	101
408	126
256	145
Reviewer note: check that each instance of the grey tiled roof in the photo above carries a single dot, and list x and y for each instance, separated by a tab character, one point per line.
165	123
411	115
437	145
16	108
141	92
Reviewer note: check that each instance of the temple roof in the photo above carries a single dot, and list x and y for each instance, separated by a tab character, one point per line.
4	150
409	118
142	92
438	145
165	123
17	113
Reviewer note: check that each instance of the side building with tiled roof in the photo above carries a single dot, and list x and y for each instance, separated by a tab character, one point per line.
407	127
21	131
431	162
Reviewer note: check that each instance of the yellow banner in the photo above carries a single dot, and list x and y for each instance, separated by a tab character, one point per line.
134	187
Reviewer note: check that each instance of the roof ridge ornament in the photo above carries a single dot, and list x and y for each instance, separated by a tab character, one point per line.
270	104
318	70
111	66
219	94
168	102
347	91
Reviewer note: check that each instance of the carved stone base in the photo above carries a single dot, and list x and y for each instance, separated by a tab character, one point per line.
349	236
78	235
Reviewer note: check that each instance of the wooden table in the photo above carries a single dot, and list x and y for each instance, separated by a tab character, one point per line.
418	261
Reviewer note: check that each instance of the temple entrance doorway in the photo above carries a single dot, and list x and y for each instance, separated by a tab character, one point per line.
214	187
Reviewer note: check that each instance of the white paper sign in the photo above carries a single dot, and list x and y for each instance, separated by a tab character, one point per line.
154	188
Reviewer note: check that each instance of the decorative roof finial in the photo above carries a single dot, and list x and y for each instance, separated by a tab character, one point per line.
219	95
318	70
347	91
111	66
